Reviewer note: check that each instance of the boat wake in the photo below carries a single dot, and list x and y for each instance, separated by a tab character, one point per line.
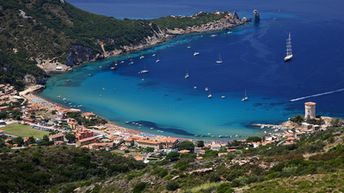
317	95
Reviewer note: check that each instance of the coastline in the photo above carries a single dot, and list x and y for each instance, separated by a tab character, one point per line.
229	21
170	34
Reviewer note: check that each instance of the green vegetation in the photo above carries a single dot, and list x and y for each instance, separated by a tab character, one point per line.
37	168
186	145
319	156
297	119
24	131
84	121
332	182
172	22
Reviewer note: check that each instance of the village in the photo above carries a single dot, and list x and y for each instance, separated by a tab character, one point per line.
24	113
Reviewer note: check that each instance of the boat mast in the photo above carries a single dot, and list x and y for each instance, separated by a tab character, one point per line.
289	48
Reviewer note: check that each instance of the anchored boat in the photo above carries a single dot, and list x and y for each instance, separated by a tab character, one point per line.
289	53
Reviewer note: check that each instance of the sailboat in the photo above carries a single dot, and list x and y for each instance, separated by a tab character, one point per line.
144	71
219	61
187	75
289	53
245	97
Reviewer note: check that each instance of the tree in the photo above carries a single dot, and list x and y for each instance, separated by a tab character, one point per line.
336	122
186	145
297	119
254	139
31	140
70	137
19	141
172	156
148	149
172	186
45	141
140	187
200	143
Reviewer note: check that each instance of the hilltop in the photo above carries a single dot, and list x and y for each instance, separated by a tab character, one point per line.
35	34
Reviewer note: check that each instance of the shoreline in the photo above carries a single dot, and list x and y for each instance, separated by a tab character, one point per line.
170	35
157	39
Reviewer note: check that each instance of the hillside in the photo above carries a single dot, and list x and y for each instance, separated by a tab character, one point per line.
54	31
315	163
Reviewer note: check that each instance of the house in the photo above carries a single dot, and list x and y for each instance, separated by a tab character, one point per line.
167	142
199	151
144	143
83	133
57	137
98	146
88	115
72	123
86	141
215	146
2	133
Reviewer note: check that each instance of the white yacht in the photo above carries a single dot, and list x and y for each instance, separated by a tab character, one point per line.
289	52
141	57
196	53
187	75
219	61
143	72
157	61
210	96
245	98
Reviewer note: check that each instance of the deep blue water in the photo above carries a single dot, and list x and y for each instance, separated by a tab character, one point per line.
253	60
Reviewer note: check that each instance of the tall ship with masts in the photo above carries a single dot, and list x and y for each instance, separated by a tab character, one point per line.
289	51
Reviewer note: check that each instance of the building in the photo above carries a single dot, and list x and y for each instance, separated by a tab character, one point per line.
215	146
87	141
144	143
57	137
84	133
310	112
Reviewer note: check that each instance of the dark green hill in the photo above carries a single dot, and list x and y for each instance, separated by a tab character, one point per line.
58	31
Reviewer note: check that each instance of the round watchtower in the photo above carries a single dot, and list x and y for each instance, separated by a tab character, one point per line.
310	112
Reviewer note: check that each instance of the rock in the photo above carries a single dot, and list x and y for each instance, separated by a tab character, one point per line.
78	54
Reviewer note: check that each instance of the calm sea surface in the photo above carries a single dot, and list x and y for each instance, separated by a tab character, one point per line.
163	101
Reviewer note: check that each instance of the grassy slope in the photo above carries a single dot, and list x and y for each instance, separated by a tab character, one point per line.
23	131
331	182
285	164
38	168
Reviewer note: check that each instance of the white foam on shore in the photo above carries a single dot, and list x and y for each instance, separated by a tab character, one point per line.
317	95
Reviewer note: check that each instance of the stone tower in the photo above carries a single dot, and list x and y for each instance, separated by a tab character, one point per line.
310	112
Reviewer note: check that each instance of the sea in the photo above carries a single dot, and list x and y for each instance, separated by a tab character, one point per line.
164	102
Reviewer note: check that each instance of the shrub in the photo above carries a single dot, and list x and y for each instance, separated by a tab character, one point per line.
140	187
172	186
172	156
297	119
254	139
224	188
186	145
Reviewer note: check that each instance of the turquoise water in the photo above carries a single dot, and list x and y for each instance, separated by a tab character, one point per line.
164	102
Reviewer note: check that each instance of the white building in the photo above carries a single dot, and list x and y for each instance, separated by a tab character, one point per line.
310	112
